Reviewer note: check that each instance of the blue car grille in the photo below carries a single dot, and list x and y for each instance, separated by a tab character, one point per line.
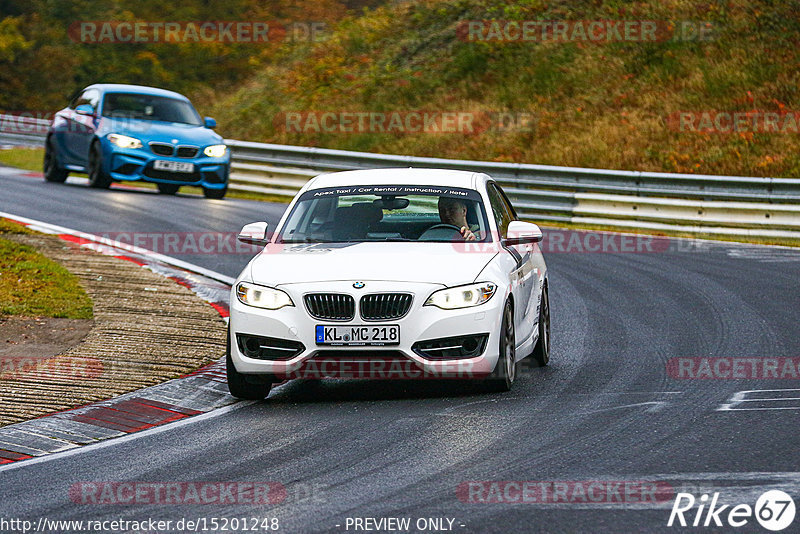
187	151
162	149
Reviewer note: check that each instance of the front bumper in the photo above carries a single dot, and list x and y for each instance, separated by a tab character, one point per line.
295	324
137	165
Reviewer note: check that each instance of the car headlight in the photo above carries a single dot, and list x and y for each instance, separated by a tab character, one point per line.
262	296
124	141
215	151
462	296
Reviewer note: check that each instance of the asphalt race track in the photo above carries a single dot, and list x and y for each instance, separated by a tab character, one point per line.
606	410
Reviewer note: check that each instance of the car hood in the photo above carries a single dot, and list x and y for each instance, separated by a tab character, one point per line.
164	132
448	264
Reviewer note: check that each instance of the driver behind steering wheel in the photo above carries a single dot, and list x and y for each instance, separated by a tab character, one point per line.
453	211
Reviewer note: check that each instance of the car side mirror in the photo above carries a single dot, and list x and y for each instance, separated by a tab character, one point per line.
210	123
254	234
85	109
522	233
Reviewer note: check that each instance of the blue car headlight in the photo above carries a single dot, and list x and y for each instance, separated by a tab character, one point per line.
124	141
215	151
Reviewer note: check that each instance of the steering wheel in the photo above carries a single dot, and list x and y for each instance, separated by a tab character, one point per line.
441	232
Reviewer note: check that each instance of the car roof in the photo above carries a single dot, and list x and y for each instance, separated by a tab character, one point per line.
403	176
136	89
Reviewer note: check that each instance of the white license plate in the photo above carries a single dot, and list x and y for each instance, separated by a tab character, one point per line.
355	335
174	166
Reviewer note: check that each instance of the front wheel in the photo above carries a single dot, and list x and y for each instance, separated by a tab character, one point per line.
215	193
52	172
541	352
505	372
168	189
244	386
98	178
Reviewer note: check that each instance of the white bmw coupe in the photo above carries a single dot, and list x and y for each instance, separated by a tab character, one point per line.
390	273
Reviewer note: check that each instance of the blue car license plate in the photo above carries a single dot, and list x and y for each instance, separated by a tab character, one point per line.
174	166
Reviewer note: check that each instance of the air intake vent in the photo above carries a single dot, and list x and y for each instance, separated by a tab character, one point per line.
330	306
385	306
452	348
268	348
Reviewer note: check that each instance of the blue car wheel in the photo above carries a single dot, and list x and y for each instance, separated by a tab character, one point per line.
98	178
168	189
215	193
52	172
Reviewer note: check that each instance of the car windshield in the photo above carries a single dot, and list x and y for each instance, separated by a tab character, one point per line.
150	108
400	213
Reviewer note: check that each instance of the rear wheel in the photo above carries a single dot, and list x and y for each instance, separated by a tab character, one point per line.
248	387
215	193
98	178
52	172
168	189
542	350
505	372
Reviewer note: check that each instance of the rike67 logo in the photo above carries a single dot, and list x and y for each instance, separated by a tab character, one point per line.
774	510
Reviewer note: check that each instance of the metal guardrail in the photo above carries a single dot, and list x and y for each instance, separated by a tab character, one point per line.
734	206
22	130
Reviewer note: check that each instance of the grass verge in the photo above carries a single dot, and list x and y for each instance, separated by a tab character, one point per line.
29	159
34	285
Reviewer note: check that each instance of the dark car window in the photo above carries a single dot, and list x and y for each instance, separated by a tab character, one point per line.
149	107
356	214
90	96
502	210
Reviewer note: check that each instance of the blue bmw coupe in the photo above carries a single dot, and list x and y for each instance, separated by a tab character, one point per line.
120	133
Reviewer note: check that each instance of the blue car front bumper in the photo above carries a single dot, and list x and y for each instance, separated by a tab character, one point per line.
125	164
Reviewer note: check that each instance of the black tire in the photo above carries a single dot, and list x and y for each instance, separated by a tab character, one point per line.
541	352
168	189
52	172
215	193
244	386
98	178
505	372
